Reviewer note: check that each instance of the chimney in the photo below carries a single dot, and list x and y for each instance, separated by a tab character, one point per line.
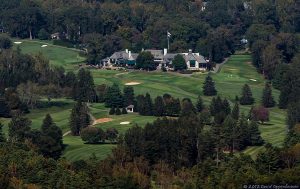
129	54
126	50
165	52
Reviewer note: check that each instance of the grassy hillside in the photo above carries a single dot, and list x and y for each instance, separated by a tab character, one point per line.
229	81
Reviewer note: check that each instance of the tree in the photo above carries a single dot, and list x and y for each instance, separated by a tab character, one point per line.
148	105
145	61
112	134
187	108
260	114
231	133
114	97
209	87
2	136
112	111
246	98
50	142
199	105
118	111
267	98
18	128
79	118
179	63
4	108
85	87
128	95
235	111
226	107
5	42
255	138
124	111
92	135
158	107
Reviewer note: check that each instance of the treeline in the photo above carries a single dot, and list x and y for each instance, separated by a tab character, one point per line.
167	153
103	27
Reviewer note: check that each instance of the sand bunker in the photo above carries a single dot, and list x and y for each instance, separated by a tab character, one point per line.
125	123
17	42
252	79
44	45
102	120
232	69
132	83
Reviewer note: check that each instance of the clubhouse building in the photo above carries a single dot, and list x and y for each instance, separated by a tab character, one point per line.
194	61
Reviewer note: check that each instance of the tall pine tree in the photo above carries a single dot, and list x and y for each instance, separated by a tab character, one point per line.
255	138
85	87
79	118
50	143
199	104
159	107
267	98
246	98
114	97
209	87
128	96
235	111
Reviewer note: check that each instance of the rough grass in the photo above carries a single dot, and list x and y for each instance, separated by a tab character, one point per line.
229	81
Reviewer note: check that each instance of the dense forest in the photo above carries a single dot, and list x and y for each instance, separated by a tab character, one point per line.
190	145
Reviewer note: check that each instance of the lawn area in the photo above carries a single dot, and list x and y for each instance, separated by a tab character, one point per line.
58	55
229	81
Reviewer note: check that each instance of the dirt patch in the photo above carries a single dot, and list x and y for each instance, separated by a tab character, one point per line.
132	83
102	120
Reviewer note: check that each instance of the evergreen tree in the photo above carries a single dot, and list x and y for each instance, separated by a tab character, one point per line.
2	136
159	107
141	107
128	96
209	87
236	111
118	111
226	107
267	98
18	128
148	105
246	98
179	63
4	108
255	138
243	128
50	142
85	87
231	134
187	108
79	118
124	111
114	97
216	106
112	111
199	104
92	135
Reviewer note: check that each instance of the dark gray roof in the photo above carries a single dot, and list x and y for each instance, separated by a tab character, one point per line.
158	54
120	55
194	56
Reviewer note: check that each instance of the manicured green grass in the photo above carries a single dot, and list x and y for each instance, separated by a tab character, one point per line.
229	81
76	149
60	56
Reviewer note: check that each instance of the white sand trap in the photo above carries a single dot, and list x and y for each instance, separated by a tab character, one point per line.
44	46
17	42
125	123
132	83
252	79
232	69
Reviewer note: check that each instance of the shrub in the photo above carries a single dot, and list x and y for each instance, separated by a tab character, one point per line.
118	111
112	111
92	135
124	111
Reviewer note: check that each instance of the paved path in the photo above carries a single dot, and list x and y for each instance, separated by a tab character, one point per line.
218	67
